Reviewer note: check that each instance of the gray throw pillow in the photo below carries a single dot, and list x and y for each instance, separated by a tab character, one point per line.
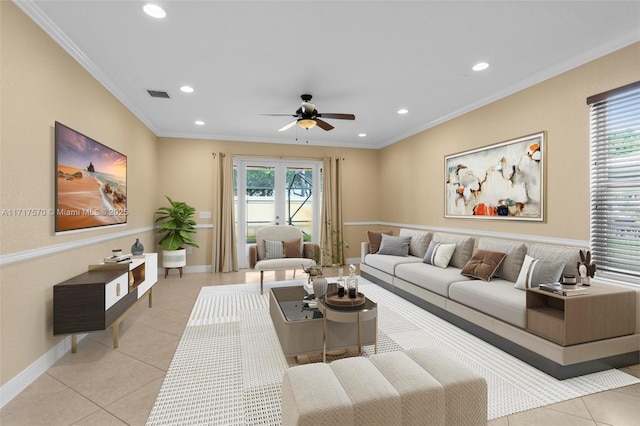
535	272
394	246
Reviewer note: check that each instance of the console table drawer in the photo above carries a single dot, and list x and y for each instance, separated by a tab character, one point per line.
79	304
115	290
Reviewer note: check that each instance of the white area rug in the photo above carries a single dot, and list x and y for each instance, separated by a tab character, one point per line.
228	367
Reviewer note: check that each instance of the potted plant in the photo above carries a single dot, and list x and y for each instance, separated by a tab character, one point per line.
177	227
333	249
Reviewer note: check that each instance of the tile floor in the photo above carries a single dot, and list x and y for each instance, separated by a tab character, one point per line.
102	386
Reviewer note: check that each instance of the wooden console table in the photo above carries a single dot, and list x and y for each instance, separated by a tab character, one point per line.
102	296
605	312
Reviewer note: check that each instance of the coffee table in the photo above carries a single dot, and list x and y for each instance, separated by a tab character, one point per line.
302	330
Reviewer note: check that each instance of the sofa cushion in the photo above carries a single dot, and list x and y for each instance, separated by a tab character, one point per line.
439	254
512	263
535	272
394	246
464	247
571	255
429	277
387	263
497	298
375	237
419	241
483	264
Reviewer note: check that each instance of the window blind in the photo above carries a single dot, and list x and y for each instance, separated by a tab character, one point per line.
615	183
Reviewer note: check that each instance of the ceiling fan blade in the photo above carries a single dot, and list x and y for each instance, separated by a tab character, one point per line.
288	126
280	115
323	124
338	116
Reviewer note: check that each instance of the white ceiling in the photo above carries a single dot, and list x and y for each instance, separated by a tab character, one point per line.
369	58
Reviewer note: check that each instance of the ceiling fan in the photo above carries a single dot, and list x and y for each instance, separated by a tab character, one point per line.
307	116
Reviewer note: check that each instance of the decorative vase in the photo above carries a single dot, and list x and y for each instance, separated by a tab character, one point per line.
320	286
137	248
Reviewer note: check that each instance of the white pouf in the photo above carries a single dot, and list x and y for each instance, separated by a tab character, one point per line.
397	388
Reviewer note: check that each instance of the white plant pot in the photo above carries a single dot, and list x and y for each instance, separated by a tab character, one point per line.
174	258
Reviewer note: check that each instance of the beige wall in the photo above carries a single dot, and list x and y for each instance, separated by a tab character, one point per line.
413	169
41	83
187	166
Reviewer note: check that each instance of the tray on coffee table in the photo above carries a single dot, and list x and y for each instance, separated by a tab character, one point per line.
334	301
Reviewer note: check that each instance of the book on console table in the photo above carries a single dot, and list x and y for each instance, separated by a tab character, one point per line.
125	258
558	289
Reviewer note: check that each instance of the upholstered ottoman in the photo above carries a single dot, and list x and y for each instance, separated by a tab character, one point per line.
415	387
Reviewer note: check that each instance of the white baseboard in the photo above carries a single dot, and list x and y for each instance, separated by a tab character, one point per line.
188	269
20	382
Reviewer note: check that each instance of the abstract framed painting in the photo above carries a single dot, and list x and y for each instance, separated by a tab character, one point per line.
500	181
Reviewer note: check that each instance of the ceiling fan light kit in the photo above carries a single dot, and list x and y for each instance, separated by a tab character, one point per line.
306	123
307	116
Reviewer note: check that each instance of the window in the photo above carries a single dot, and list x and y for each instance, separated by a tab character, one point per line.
615	183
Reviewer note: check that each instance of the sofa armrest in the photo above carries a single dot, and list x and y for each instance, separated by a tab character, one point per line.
311	251
253	255
364	250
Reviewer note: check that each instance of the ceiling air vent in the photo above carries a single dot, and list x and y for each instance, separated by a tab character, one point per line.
159	94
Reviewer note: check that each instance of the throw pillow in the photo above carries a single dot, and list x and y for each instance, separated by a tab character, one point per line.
536	271
375	237
439	254
419	241
273	249
394	246
483	264
514	251
464	247
292	248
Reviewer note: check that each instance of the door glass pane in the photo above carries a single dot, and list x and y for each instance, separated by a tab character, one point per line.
299	200
260	206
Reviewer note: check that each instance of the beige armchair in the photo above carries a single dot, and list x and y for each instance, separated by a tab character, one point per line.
281	247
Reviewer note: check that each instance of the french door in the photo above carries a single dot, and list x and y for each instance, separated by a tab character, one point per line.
276	192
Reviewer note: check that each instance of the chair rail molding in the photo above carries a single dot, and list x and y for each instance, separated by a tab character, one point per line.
26	255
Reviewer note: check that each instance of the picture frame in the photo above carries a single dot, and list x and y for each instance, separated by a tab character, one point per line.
90	183
503	181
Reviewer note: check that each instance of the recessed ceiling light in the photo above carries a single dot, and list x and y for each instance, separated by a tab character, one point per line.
480	66
199	122
362	135
187	89
154	10
403	111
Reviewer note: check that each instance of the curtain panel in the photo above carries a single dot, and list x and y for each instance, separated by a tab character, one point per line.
224	253
331	236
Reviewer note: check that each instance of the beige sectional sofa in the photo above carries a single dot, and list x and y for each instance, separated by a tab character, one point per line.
496	310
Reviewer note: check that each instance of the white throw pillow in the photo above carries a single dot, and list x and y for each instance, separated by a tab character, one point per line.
439	254
273	249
